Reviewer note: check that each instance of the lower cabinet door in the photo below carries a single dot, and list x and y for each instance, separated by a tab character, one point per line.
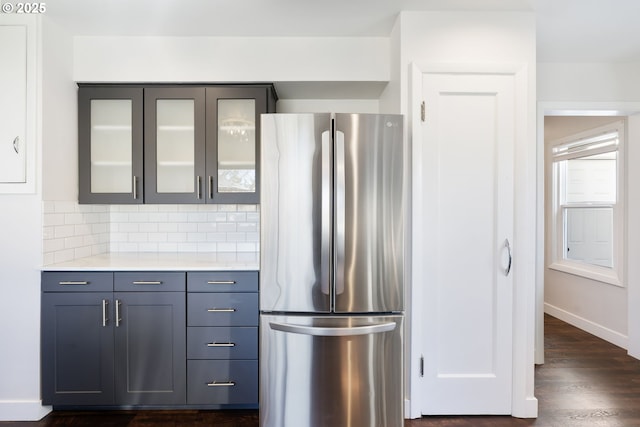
77	349
150	340
219	382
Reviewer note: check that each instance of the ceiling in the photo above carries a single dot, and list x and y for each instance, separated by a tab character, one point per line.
567	30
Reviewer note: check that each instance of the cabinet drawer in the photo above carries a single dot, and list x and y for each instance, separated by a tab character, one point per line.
222	342
222	381
141	281
222	281
77	281
222	309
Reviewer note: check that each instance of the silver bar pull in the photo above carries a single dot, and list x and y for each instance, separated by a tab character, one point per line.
221	344
325	226
135	187
333	332
221	282
508	247
221	310
198	189
16	144
118	318
74	283
221	384
340	190
105	318
143	282
210	187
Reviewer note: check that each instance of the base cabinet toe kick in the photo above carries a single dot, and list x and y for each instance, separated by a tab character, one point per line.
169	339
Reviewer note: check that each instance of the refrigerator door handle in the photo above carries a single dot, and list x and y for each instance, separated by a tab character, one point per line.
340	211
331	331
325	238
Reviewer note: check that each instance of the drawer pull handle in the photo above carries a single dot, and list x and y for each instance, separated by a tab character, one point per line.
73	283
221	282
221	384
221	344
221	310
143	282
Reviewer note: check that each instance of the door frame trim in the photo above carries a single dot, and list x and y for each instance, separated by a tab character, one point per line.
524	403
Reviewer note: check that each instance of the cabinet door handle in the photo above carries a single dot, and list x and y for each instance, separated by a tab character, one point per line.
66	283
118	318
221	344
221	384
143	282
199	192
507	246
221	310
105	318
221	282
16	144
135	187
210	187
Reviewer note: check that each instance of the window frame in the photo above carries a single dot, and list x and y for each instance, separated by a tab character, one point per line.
610	275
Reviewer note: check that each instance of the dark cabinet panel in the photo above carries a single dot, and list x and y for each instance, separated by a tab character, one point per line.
222	342
222	281
77	349
150	348
233	143
149	281
110	156
174	144
222	309
222	382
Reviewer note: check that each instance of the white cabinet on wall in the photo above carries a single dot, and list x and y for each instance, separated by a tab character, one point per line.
17	104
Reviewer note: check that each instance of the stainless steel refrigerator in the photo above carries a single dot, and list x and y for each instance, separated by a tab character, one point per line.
332	270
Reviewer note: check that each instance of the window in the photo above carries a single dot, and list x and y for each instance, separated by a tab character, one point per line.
587	210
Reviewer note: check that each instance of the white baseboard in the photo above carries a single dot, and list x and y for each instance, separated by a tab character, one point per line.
587	325
22	410
526	409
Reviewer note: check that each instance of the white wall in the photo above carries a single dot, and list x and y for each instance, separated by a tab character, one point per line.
239	59
490	40
20	260
605	87
60	115
599	82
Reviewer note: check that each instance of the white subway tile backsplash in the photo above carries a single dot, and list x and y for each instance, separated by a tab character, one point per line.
72	231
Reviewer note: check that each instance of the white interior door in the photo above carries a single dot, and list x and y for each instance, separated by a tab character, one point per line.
13	84
466	240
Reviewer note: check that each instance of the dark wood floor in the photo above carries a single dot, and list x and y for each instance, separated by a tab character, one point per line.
585	382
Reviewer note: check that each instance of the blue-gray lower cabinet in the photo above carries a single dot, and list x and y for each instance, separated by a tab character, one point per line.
102	347
77	349
150	339
222	338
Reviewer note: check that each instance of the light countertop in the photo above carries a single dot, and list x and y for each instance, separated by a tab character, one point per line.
161	261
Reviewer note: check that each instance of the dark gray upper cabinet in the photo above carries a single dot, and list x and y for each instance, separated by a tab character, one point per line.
174	145
110	152
233	143
201	144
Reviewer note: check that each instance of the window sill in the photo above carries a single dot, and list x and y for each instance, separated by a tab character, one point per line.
600	274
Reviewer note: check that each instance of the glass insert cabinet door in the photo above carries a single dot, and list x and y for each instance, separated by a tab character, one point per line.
110	145
233	129
175	145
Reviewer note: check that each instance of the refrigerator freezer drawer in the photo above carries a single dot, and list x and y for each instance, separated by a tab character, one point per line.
331	371
222	309
222	342
222	382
